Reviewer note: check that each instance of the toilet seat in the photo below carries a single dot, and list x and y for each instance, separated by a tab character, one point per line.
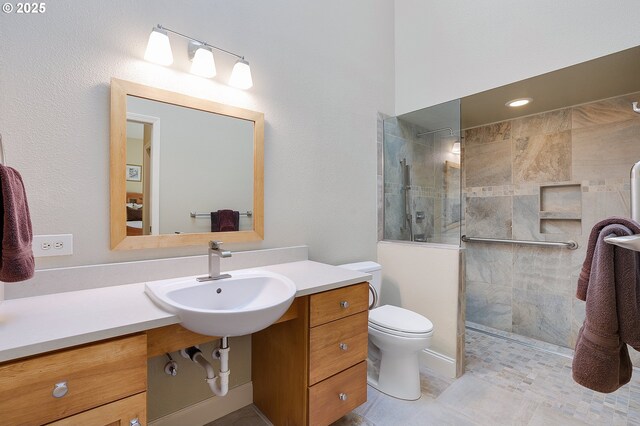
400	322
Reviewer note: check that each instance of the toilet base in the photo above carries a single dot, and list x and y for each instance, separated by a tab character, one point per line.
399	376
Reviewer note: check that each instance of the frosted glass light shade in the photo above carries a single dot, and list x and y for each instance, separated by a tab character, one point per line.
455	149
241	75
203	63
159	48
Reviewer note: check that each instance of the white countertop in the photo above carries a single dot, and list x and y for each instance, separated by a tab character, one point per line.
34	325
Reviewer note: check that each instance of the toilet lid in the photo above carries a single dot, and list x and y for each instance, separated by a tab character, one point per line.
400	319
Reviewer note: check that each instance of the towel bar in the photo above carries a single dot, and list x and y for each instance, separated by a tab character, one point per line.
631	242
571	245
248	213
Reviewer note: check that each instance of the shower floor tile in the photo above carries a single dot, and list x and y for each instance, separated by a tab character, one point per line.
508	381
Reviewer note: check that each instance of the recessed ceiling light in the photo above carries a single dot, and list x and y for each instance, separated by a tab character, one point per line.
518	102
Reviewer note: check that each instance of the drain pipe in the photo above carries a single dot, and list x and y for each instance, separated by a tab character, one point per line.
219	384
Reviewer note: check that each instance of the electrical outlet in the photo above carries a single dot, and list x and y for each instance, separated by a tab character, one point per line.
52	245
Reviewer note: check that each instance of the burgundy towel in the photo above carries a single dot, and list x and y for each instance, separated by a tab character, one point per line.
225	220
16	261
609	284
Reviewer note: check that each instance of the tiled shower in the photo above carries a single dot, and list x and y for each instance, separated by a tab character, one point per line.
546	177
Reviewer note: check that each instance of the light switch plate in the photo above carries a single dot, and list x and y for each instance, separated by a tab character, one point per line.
52	245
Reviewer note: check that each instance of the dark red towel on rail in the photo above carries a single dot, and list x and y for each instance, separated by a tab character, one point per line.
225	220
609	283
16	262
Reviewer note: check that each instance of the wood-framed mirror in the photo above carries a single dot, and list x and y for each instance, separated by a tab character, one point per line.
183	170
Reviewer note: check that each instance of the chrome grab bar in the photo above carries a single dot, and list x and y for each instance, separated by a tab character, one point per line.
571	245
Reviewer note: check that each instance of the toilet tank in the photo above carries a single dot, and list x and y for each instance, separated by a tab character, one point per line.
375	284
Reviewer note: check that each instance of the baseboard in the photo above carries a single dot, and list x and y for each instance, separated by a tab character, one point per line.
210	409
439	363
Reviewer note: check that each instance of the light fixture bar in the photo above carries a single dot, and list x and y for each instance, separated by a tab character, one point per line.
200	41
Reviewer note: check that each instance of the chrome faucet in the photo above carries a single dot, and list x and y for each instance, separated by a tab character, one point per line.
215	253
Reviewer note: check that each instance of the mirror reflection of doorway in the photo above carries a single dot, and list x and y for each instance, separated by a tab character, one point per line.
142	203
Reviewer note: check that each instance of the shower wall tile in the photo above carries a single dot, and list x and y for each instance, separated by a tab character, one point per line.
420	160
604	112
543	270
395	149
542	316
525	218
488	164
541	124
426	226
489	305
542	158
489	263
475	136
394	217
498	131
606	151
600	205
488	217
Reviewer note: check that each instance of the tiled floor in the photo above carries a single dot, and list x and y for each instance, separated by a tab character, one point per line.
506	383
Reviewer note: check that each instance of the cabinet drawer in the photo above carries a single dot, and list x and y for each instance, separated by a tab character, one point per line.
333	398
336	346
94	374
335	304
119	413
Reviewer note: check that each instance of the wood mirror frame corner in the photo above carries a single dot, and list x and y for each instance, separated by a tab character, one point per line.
120	89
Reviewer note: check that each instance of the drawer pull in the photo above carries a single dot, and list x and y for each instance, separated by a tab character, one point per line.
134	422
344	304
60	390
344	346
342	396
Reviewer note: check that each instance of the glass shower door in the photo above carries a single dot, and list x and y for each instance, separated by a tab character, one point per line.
422	191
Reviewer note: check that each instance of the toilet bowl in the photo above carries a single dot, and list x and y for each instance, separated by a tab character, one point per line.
396	338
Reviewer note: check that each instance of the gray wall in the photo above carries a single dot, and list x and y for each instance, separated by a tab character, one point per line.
320	105
547	177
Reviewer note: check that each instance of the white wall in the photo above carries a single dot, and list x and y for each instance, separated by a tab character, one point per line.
321	71
450	49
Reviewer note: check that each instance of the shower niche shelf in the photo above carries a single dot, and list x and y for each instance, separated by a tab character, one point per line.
560	209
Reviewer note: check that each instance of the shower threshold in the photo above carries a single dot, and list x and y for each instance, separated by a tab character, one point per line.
521	340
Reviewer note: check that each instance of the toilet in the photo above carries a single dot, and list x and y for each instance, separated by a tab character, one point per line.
396	338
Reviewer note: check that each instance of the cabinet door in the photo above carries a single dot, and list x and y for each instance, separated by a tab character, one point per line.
120	413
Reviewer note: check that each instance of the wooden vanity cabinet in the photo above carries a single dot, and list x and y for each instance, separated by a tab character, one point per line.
312	370
105	381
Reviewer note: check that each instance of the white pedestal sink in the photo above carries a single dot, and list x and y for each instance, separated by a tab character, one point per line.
247	302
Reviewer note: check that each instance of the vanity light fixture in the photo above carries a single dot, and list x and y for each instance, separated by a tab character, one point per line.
158	49
201	55
202	62
241	75
514	103
455	149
